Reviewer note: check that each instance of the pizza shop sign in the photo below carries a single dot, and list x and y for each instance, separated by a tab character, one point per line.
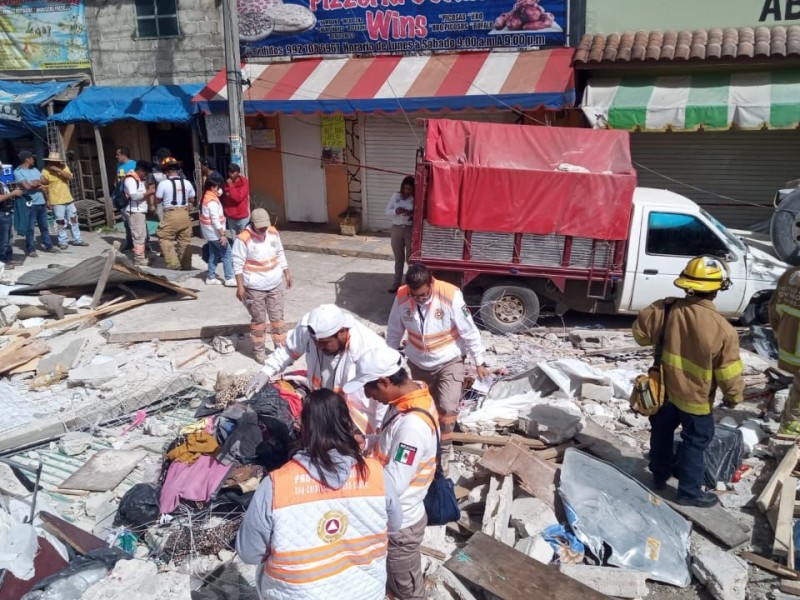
319	27
780	10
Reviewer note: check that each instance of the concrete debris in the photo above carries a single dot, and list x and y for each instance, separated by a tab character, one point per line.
8	314
752	435
225	344
96	373
536	547
594	339
73	443
724	574
598	393
634	420
498	509
143	578
553	424
530	516
619	583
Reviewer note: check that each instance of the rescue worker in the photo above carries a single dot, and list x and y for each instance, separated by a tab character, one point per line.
440	330
176	195
262	278
333	343
407	449
318	525
700	353
784	317
139	197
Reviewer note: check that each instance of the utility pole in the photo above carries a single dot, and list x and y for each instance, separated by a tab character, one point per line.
233	66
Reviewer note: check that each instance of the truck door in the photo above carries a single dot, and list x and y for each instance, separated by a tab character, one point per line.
669	241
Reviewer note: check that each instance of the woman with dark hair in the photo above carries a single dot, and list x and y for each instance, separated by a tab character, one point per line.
401	209
212	226
318	525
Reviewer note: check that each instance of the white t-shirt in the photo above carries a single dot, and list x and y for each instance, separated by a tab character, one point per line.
396	202
164	192
135	189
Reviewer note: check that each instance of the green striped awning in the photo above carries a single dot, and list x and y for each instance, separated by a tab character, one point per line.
692	102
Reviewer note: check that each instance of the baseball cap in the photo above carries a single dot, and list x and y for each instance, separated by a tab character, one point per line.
260	218
25	155
327	320
384	362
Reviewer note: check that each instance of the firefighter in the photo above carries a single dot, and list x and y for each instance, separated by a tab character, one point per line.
700	353
440	331
784	317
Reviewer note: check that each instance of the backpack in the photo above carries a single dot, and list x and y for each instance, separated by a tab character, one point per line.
119	197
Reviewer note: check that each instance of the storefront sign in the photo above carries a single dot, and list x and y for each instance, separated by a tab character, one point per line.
218	129
333	132
261	138
269	28
606	16
41	35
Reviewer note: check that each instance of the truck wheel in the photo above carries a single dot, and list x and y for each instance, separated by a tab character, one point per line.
509	309
784	229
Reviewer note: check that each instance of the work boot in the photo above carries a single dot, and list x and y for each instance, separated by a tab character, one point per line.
140	261
704	500
174	266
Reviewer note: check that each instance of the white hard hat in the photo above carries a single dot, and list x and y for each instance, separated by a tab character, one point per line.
384	362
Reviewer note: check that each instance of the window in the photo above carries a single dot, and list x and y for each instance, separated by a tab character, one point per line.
681	235
157	18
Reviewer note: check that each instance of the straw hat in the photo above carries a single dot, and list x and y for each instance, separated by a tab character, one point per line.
54	156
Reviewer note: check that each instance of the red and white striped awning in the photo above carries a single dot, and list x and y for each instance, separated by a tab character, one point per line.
445	82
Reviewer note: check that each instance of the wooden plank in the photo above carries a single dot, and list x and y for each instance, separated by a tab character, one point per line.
783	531
769	494
537	476
116	337
111	258
714	520
82	541
511	575
197	354
771	566
104	471
23	356
495	440
101	161
160	281
790	587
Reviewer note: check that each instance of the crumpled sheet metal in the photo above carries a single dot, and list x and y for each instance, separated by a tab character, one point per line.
608	509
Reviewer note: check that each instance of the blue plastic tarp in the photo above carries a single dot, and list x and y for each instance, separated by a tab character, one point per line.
21	107
103	105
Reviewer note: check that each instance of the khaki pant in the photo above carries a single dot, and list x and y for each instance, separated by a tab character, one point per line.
401	248
446	384
404	579
138	224
790	418
175	230
262	304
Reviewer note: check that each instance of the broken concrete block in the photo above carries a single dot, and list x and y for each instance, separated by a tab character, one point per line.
724	574
634	420
75	442
102	368
497	513
610	581
536	547
594	339
598	393
552	424
779	401
530	516
99	505
8	314
224	344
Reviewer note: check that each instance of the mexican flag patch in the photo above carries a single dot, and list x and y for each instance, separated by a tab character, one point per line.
405	454
465	311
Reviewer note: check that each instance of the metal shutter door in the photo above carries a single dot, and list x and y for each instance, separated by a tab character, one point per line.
390	144
749	166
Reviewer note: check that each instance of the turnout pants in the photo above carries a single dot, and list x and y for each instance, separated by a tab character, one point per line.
445	385
175	235
404	579
261	305
697	431
790	418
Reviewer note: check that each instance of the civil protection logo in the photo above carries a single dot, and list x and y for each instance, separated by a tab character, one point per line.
332	526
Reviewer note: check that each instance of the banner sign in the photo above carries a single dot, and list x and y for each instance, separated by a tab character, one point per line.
270	28
42	35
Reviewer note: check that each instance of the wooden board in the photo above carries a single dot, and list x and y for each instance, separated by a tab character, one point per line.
537	476
104	471
495	440
790	587
771	566
80	540
160	281
111	258
122	337
714	520
782	544
770	492
510	575
23	356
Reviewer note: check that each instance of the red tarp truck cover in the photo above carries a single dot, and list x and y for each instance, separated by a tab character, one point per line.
521	179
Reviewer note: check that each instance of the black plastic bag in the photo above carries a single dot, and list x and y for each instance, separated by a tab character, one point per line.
723	456
139	507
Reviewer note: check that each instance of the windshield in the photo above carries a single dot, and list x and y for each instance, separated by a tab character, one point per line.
726	233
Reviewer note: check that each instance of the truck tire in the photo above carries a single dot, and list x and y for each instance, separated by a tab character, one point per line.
784	229
509	309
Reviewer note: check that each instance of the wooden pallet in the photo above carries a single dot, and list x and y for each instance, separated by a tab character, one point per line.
91	214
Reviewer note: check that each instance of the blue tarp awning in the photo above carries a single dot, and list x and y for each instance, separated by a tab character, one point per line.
21	105
102	105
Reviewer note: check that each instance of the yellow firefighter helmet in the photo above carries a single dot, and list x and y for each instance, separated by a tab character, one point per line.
704	274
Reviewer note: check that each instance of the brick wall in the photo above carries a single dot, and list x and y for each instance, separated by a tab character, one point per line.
119	58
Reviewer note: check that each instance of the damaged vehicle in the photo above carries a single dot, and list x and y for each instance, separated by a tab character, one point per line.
535	221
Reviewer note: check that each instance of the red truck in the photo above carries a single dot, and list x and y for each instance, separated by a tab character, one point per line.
534	219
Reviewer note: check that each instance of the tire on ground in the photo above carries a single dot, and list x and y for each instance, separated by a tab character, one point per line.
509	309
784	229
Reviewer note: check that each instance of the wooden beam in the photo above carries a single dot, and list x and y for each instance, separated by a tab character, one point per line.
101	158
160	281
537	476
783	532
790	587
111	258
24	355
510	575
495	440
209	331
771	566
75	537
770	492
